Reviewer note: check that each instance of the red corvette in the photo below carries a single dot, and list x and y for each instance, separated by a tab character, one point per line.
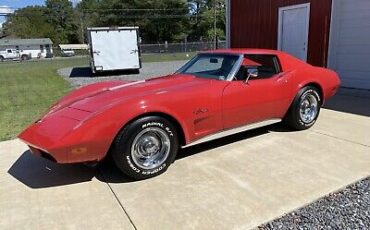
217	93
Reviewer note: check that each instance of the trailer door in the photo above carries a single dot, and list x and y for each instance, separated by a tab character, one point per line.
115	49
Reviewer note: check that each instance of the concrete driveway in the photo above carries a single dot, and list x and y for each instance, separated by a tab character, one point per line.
238	182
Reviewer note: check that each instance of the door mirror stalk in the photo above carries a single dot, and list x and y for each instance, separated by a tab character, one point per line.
251	73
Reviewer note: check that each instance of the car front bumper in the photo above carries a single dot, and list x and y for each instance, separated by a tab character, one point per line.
63	140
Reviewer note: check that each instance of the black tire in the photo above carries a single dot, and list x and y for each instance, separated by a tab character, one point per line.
137	71
1	58
294	119
126	153
24	57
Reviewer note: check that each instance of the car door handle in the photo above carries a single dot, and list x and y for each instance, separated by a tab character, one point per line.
200	111
282	77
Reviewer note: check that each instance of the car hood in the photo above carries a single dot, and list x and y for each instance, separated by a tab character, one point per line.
98	96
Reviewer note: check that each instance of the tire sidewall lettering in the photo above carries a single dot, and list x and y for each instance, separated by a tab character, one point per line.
311	91
158	124
152	124
131	164
144	172
154	171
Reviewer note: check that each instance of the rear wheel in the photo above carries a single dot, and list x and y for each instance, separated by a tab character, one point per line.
1	58
305	109
24	57
146	147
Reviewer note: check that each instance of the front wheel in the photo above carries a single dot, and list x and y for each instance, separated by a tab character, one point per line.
146	147
305	109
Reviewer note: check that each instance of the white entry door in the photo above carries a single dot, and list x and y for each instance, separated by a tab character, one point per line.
293	30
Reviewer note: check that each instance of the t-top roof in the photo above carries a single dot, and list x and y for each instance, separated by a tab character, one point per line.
243	51
27	42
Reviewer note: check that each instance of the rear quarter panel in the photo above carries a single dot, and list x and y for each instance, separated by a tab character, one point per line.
303	74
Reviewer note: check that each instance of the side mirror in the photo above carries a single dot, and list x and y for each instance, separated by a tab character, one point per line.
251	73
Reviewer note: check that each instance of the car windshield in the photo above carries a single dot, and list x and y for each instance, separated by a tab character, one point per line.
211	66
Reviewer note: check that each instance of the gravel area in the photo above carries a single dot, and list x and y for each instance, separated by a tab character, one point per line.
346	209
78	76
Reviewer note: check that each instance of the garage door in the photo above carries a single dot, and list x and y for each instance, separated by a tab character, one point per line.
349	50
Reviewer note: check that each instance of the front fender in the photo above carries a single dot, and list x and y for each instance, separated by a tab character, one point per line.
148	107
105	126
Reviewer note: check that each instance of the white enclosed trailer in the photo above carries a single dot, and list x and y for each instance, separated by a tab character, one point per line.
113	49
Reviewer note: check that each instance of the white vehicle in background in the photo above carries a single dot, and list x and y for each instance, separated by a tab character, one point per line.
113	49
67	53
12	54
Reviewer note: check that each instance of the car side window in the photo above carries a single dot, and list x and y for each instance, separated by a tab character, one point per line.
265	66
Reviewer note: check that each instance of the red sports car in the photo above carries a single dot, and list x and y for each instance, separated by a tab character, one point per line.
217	93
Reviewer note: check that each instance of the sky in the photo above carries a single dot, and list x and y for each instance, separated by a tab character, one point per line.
11	5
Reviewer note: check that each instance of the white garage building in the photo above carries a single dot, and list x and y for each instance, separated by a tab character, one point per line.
349	46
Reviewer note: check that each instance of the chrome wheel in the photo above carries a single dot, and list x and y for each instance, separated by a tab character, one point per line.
150	148
308	108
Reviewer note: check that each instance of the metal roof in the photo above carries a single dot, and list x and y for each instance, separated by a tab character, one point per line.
74	46
25	42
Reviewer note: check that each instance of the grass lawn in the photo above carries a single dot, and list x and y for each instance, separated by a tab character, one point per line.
27	89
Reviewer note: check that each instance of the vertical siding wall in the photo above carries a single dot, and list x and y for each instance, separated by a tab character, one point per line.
254	23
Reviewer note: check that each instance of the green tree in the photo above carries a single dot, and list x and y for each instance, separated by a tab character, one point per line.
29	22
169	24
203	24
88	15
61	15
166	24
159	20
